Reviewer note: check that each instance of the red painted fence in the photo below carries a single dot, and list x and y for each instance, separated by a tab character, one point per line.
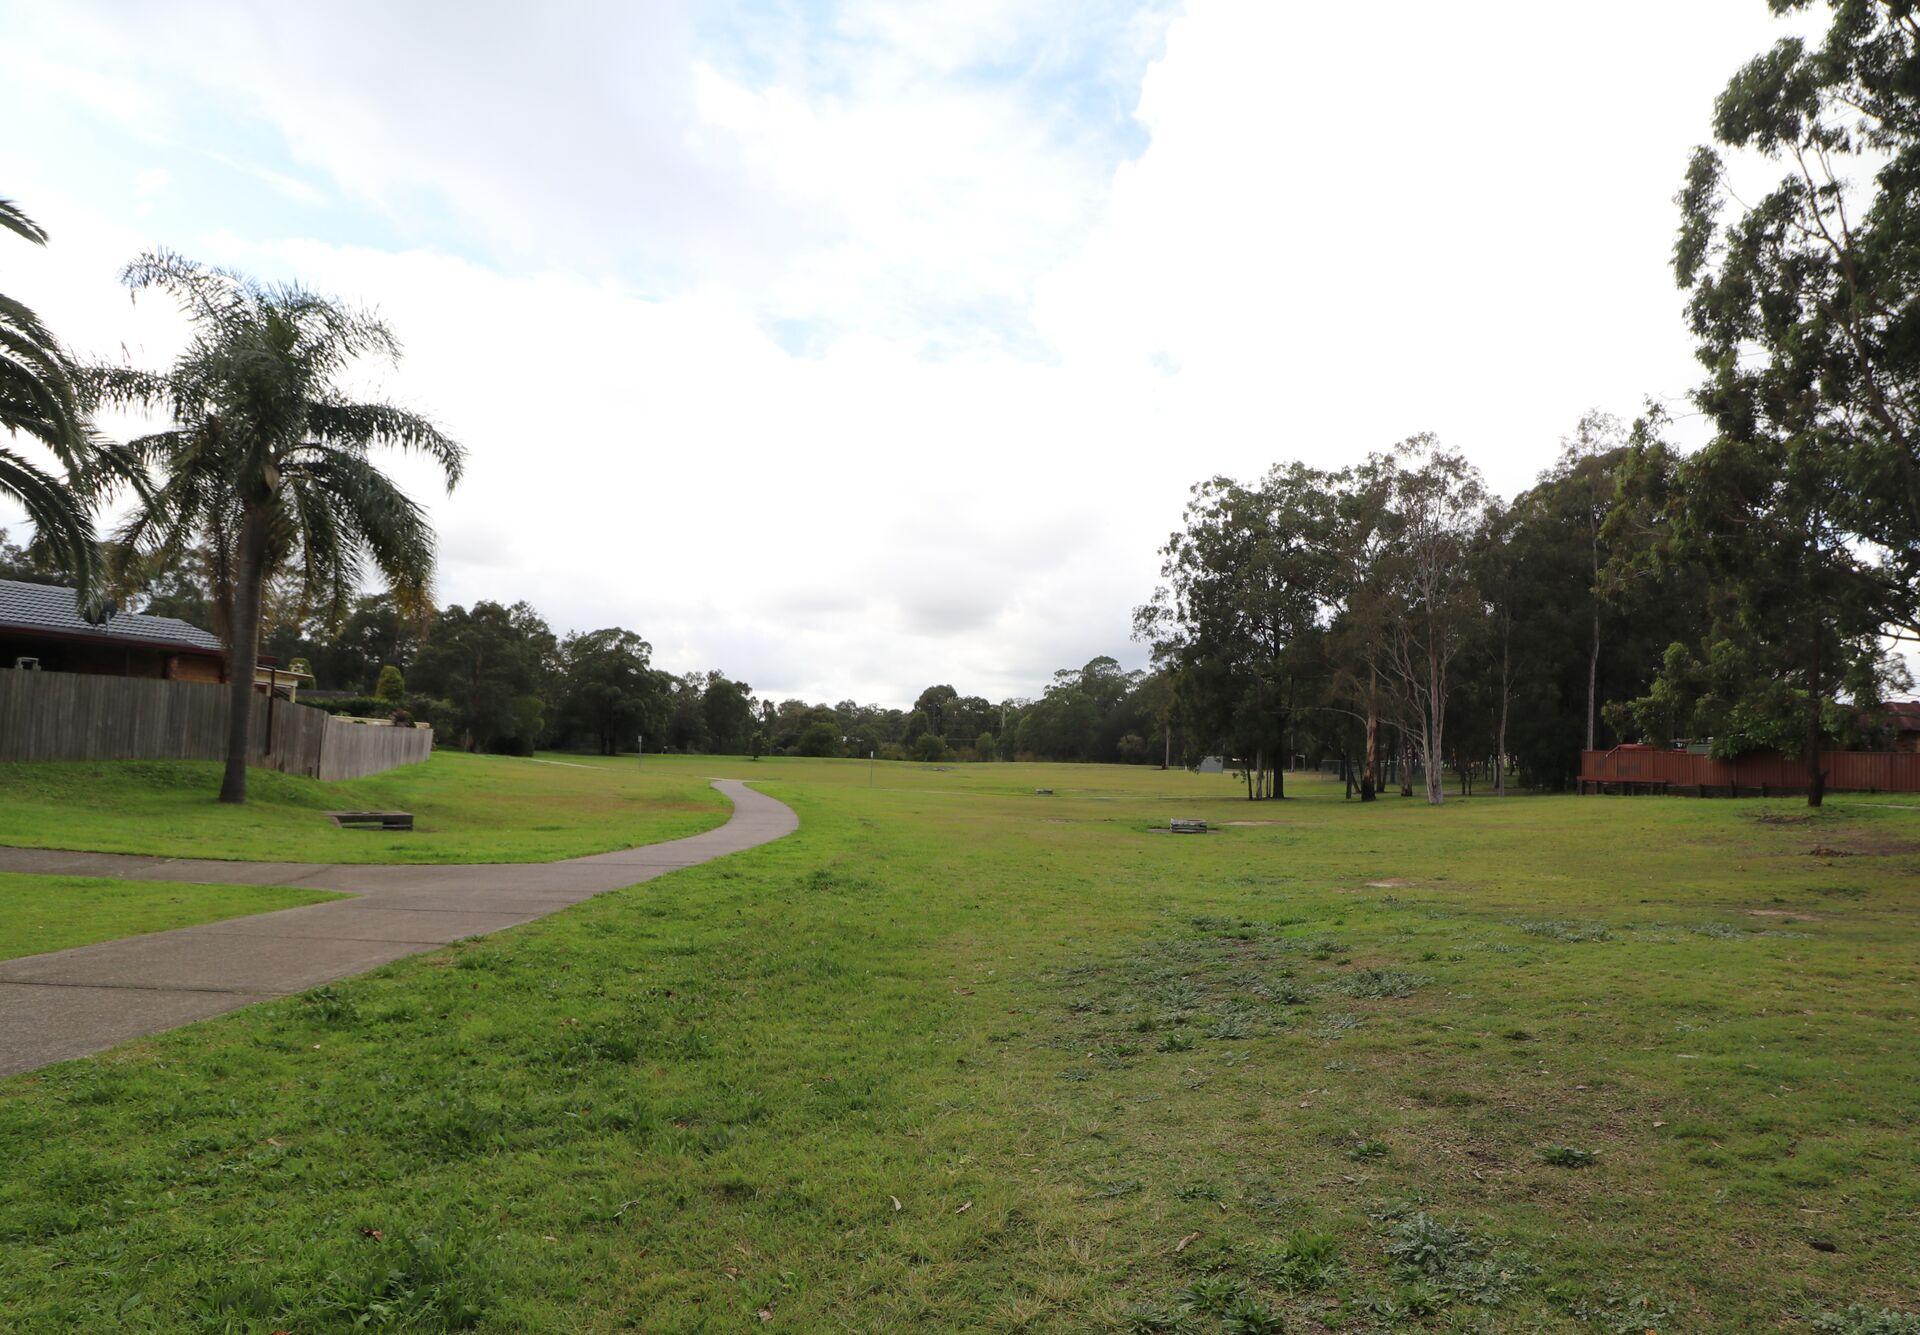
1682	771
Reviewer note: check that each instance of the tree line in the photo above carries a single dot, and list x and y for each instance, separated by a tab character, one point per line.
1746	593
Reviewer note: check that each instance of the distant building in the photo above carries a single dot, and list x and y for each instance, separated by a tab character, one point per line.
1210	765
41	627
1903	725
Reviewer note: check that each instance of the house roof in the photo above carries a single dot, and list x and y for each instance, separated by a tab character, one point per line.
1903	714
49	609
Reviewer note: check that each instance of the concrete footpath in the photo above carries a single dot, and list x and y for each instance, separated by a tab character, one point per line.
74	1002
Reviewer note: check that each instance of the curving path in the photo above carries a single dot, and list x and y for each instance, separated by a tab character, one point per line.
74	1002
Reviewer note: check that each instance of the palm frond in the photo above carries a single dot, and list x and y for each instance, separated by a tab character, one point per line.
15	220
366	425
61	524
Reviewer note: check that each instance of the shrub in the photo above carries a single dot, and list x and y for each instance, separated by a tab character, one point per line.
391	687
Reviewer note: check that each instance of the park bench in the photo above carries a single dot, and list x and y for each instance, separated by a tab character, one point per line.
1043	792
373	820
1187	826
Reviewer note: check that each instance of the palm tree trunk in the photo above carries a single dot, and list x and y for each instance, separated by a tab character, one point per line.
243	653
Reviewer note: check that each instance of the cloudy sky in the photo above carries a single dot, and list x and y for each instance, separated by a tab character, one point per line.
855	346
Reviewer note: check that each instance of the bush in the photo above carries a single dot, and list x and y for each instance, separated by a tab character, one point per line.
930	747
983	746
392	687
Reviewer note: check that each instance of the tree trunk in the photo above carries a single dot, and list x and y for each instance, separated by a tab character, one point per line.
1500	738
1816	777
243	653
1369	773
1593	656
1166	756
1433	728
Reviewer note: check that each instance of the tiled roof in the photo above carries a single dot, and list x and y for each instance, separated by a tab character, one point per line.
50	608
1905	713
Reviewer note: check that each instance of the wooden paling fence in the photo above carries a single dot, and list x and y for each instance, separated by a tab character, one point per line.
1627	770
78	716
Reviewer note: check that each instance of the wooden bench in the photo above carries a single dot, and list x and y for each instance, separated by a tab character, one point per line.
1187	826
369	820
1043	792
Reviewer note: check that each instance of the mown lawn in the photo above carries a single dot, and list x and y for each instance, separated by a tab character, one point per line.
466	809
42	913
959	1057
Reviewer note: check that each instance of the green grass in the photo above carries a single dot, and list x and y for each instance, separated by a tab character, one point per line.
957	1057
42	913
466	809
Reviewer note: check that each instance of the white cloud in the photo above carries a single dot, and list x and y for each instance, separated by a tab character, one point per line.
857	353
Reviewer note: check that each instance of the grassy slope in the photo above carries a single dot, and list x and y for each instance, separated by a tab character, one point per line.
42	913
1065	1045
466	809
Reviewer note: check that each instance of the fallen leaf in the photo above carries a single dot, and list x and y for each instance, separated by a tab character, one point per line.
963	1209
896	1203
766	1314
1181	1245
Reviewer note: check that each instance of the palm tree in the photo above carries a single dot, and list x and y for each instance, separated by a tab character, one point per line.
266	466
38	401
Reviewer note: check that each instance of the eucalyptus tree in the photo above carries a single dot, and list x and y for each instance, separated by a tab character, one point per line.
40	402
267	461
1363	620
1249	583
1806	307
1436	502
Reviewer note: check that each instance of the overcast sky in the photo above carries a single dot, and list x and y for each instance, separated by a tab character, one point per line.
855	346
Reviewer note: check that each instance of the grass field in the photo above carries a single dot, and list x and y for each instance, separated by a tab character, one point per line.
466	809
41	913
959	1057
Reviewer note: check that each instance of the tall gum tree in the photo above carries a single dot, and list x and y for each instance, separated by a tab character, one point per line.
1437	502
1249	583
1806	307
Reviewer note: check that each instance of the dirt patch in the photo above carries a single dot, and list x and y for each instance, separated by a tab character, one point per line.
1867	846
1391	883
1785	915
1253	824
